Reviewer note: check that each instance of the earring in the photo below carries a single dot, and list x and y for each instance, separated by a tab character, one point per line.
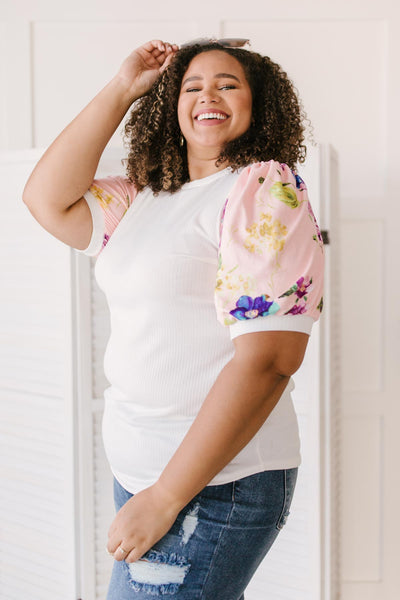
181	141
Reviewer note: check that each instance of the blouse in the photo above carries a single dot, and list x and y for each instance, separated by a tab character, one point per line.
184	274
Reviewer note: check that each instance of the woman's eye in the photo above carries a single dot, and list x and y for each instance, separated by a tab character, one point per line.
228	86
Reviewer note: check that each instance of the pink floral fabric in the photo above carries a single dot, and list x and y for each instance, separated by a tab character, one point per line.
114	195
271	255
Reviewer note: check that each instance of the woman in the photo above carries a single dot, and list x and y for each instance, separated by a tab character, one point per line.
211	223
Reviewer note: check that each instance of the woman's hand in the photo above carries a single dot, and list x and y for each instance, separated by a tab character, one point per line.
142	67
141	522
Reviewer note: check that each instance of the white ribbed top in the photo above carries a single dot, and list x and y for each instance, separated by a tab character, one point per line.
166	348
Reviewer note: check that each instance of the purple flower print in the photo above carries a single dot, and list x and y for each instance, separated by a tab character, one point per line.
300	185
300	288
105	239
250	308
312	216
297	309
303	285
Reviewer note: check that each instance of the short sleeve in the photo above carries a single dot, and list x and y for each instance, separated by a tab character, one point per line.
271	254
108	200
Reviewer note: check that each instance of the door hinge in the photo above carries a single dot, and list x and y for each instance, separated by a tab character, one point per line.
325	237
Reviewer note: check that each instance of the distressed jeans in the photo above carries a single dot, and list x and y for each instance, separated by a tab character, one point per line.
215	545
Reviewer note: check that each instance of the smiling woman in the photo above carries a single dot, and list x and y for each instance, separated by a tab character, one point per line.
212	264
158	158
214	107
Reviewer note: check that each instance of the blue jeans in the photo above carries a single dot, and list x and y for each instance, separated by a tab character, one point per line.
215	545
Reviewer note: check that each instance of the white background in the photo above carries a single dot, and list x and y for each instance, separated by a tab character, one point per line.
343	57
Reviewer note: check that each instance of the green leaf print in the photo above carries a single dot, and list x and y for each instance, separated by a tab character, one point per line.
285	194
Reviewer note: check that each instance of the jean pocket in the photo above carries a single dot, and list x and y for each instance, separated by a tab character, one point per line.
289	484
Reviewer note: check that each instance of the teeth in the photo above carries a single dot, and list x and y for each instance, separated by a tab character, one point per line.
211	116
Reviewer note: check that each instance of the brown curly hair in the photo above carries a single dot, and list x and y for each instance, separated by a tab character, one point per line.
152	134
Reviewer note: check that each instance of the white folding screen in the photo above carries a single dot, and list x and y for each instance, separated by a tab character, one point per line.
37	402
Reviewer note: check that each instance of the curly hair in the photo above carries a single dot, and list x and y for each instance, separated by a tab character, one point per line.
152	134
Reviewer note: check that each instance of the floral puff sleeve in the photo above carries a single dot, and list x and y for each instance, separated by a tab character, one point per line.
271	256
108	200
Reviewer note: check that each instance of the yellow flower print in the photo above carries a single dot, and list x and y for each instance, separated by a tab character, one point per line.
268	233
250	247
229	321
232	281
285	194
103	197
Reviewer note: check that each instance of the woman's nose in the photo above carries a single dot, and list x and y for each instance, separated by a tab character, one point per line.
209	96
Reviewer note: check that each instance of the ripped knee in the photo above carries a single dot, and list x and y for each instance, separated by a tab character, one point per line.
158	573
189	524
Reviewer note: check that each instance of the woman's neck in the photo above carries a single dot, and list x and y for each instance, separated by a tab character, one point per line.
200	167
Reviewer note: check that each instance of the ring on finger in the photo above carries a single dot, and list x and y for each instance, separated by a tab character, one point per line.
122	550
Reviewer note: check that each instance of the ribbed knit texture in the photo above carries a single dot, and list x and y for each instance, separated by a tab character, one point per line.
166	349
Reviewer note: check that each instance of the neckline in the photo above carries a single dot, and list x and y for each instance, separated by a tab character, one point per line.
206	180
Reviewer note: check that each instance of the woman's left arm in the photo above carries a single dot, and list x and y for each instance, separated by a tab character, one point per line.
241	399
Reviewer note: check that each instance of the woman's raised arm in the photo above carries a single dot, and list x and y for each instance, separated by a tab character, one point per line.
53	192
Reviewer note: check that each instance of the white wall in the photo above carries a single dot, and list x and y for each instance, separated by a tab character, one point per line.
343	57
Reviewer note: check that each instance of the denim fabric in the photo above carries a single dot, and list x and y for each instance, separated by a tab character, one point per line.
215	545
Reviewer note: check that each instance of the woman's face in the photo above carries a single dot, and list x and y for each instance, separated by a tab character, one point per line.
215	102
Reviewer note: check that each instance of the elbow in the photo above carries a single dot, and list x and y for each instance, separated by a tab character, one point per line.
274	352
279	370
27	194
263	370
286	365
33	189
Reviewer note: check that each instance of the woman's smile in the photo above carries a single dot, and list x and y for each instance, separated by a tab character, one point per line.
215	103
207	117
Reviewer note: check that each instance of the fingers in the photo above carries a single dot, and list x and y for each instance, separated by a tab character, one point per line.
161	51
167	62
120	548
119	551
159	44
123	551
133	555
162	46
157	47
